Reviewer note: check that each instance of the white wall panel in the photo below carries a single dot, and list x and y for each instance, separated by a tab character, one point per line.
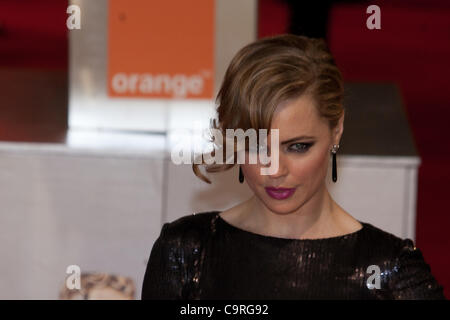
101	212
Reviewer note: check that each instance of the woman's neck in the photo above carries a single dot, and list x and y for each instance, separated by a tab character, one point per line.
316	218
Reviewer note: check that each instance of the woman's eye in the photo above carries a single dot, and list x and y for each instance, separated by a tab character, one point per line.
300	147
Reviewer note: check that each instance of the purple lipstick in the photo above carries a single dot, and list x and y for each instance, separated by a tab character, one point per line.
280	193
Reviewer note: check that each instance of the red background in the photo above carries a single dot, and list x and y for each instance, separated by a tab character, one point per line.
412	49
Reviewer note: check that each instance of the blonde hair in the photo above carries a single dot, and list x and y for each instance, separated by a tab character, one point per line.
269	71
111	287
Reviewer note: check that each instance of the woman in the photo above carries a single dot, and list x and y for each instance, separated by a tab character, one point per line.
291	240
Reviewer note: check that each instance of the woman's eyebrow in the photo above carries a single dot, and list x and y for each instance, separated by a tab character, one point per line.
297	138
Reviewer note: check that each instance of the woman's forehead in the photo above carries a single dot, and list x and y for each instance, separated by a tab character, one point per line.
299	115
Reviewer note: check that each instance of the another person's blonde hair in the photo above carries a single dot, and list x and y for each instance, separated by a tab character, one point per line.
100	286
269	71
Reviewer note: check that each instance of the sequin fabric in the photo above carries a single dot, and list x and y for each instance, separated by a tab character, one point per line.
201	256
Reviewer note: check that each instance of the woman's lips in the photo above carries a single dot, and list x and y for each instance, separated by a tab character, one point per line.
280	193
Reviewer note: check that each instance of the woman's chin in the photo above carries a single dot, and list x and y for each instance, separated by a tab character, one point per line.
281	207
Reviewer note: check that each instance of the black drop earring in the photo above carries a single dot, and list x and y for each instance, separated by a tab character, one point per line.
241	175
334	167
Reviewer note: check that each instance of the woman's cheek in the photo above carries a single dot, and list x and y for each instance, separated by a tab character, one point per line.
252	174
252	171
320	165
308	168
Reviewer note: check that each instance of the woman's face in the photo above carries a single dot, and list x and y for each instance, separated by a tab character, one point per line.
303	162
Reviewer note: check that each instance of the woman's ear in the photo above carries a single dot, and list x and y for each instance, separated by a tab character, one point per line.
339	129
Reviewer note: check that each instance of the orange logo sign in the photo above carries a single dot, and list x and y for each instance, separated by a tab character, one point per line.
161	49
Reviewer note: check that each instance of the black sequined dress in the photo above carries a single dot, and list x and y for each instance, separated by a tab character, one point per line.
202	256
